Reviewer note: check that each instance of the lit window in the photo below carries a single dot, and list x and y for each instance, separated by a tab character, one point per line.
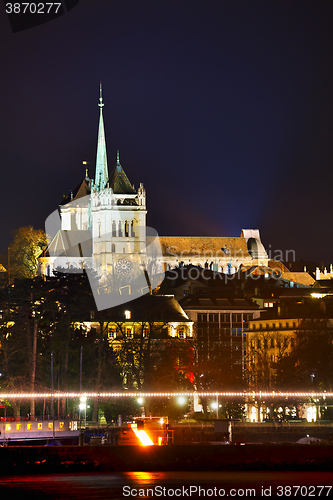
129	333
112	333
145	332
28	427
7	427
181	333
61	425
18	427
51	425
39	426
127	314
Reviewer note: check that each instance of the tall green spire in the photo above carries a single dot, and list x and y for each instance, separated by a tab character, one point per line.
102	175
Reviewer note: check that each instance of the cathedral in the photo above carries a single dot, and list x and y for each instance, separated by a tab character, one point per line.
101	226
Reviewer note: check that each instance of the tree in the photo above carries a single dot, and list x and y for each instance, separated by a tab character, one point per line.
28	243
310	363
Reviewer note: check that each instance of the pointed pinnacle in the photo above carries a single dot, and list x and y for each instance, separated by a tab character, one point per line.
100	96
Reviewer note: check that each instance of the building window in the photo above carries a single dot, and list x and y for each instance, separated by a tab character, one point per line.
129	333
61	425
202	318
120	233
18	427
225	318
39	426
112	333
28	427
113	248
272	343
8	427
51	425
127	314
114	229
214	318
181	333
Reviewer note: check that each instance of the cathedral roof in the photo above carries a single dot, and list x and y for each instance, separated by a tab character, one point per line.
70	244
119	181
302	278
83	189
187	246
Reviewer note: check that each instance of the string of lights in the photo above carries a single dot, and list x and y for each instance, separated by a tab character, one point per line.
126	394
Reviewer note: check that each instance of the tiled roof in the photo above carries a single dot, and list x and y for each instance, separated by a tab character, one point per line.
81	190
212	247
277	265
301	278
214	301
119	182
70	244
159	308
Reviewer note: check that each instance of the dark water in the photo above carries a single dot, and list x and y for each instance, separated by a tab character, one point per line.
101	486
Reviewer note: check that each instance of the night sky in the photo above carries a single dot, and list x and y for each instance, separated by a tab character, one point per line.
223	109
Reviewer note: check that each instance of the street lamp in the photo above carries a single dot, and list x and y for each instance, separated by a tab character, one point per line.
141	401
83	406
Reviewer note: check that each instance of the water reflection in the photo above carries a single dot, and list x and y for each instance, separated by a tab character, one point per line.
104	486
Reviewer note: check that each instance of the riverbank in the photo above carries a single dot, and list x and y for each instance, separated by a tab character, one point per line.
34	459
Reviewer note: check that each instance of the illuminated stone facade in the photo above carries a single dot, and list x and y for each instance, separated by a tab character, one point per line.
114	213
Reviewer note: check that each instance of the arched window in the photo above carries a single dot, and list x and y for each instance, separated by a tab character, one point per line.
132	229
48	270
120	232
126	229
113	248
114	229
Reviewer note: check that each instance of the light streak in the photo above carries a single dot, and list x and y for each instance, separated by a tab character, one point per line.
142	436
